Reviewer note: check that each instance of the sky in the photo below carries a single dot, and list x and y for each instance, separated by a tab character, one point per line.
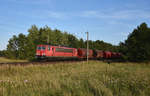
107	20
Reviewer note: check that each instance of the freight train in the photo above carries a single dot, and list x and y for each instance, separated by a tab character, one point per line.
49	51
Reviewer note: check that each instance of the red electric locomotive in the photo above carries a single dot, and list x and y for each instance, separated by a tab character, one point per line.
45	51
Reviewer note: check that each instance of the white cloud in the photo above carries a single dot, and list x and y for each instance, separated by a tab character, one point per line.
32	1
46	14
57	15
122	14
50	14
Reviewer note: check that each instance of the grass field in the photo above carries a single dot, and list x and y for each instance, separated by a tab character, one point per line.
4	60
76	79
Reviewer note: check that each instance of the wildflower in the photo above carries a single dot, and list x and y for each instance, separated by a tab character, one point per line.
25	81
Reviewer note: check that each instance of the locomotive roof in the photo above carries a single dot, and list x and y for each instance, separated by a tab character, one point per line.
54	45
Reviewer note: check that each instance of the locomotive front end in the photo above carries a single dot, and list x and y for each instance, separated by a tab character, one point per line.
41	51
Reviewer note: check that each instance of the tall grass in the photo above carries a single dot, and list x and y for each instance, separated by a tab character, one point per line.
76	79
5	60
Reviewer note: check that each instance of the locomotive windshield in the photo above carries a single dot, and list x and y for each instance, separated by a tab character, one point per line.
41	48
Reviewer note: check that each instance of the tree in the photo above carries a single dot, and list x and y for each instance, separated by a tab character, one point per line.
81	43
137	45
12	47
72	41
3	53
22	46
16	49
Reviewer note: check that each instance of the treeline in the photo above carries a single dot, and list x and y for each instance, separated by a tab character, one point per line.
24	46
135	48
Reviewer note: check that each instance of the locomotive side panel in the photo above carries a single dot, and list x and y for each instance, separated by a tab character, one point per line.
55	51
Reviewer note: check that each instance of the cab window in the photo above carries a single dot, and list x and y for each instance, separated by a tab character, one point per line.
38	48
43	48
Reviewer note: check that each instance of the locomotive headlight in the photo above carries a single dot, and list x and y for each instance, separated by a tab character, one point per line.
37	54
43	54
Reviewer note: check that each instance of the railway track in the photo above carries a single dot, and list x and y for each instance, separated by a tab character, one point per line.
36	63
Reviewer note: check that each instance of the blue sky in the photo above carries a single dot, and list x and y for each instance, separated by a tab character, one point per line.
108	20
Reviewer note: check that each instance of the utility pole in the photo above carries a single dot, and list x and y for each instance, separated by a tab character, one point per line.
48	39
87	46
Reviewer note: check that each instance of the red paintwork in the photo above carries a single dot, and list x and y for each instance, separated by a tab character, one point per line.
53	53
118	55
114	55
107	54
82	53
100	54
